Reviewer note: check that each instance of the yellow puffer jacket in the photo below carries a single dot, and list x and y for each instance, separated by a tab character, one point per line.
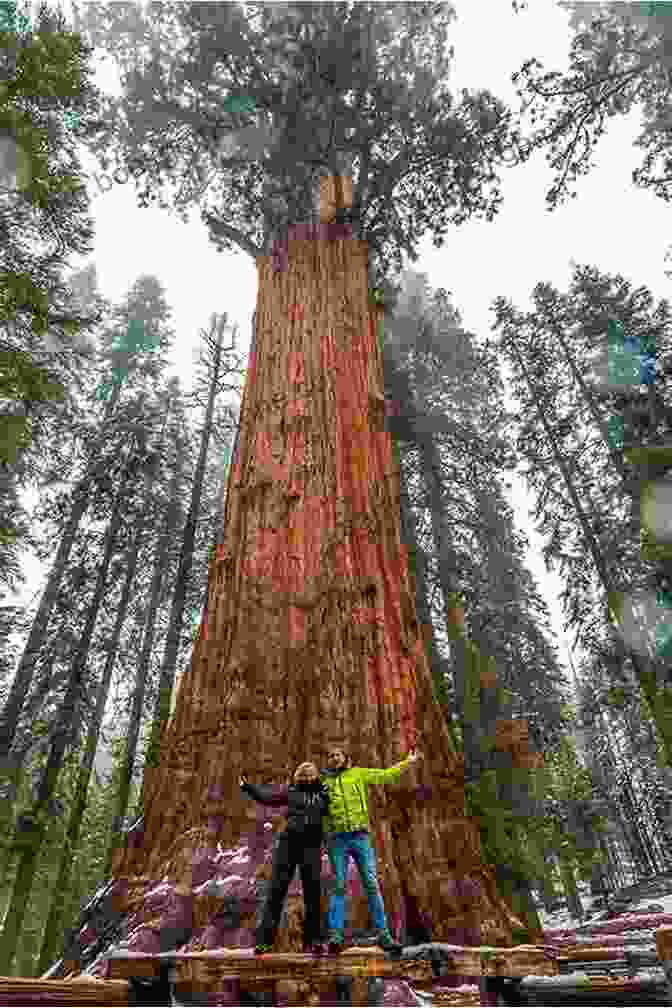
348	804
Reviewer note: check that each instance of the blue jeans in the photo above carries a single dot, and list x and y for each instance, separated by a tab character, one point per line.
359	845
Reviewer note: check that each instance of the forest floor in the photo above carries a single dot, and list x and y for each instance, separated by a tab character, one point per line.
654	892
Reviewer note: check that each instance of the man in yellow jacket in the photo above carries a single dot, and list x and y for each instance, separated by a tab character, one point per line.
348	825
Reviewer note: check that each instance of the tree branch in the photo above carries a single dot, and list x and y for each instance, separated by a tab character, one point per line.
237	237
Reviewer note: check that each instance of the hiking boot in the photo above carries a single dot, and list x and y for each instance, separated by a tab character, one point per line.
388	944
313	948
262	949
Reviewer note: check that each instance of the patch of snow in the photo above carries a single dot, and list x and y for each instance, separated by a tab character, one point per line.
218	886
162	888
653	975
241	855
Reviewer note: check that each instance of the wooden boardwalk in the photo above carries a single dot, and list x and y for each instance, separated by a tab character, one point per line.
294	978
304	979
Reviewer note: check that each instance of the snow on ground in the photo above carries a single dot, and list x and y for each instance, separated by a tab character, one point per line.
563	918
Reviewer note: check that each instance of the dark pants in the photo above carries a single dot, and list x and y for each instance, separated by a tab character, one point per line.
294	849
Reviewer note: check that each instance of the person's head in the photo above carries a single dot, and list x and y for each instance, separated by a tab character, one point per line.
337	758
306	772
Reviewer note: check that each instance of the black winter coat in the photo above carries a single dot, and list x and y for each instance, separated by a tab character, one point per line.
306	805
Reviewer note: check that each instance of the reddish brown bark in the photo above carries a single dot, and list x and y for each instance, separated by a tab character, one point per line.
310	633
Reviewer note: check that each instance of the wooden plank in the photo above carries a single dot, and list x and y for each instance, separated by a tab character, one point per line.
80	991
523	960
205	973
204	969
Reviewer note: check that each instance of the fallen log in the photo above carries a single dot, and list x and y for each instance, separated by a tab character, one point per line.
80	991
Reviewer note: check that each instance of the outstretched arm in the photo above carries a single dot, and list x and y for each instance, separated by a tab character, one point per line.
374	776
265	795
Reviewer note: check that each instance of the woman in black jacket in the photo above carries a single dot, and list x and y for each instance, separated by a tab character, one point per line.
307	801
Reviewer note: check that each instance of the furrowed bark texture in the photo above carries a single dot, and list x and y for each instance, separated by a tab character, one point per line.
309	637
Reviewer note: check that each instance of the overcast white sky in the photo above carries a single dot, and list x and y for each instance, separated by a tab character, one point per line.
611	225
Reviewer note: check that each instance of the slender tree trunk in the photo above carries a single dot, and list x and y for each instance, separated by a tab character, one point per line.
589	398
9	718
167	674
53	933
29	746
609	778
13	921
417	569
634	836
142	671
636	798
614	869
517	890
546	889
639	821
587	841
431	469
48	685
597	872
396	382
543	884
569	885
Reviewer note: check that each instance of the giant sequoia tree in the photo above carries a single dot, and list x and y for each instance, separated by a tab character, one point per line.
310	633
258	102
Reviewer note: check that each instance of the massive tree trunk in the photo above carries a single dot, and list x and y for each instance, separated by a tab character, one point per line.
309	636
